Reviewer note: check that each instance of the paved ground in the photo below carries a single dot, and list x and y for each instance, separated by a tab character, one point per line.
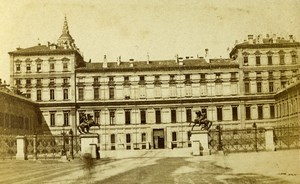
156	167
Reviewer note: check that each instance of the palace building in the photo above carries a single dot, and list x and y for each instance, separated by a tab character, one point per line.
149	104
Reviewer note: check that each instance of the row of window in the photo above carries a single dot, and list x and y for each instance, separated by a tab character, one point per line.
39	67
270	74
259	87
39	82
51	94
53	119
187	78
270	59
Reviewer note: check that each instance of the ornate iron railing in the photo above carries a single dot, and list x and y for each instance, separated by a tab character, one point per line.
52	146
8	146
287	137
237	140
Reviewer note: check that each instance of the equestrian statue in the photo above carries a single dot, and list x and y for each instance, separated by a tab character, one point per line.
85	123
202	121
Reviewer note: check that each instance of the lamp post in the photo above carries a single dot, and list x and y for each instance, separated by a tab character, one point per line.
71	146
255	134
63	150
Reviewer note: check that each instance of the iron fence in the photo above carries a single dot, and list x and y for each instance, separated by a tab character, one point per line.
287	137
8	147
237	140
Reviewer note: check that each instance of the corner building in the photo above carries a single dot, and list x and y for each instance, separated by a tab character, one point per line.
149	104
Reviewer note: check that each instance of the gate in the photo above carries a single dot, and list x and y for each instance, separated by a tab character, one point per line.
8	147
238	140
287	137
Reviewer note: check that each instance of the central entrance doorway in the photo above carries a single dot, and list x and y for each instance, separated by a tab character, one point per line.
158	138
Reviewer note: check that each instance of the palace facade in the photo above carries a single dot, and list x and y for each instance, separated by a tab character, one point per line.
149	104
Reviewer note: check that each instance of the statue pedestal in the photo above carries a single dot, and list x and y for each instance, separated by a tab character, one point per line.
199	139
89	144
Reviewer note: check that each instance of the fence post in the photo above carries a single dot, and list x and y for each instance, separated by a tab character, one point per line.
269	139
255	134
21	148
35	147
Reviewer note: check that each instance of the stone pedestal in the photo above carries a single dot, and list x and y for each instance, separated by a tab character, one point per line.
89	144
269	134
199	139
21	148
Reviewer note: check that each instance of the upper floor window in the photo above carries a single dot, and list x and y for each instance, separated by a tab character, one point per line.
39	95
126	79
52	118
281	58
143	117
294	59
28	94
28	67
65	66
247	87
66	119
218	75
52	97
245	60
111	79
270	62
258	85
97	116
66	94
80	94
219	114
202	76
270	74
142	78
127	117
52	66
65	80
157	116
18	67
112	117
18	81
188	115
28	81
96	79
173	116
96	93
234	113
271	87
38	67
260	111
257	59
111	93
187	76
248	112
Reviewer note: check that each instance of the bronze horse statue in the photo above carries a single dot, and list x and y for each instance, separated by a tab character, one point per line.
85	123
202	121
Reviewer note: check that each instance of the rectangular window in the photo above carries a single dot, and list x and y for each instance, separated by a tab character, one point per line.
66	94
113	138
272	111
96	93
245	60
258	86
248	112
127	117
219	114
65	66
80	94
126	79
18	67
52	67
96	79
38	67
157	116
112	117
52	119
143	117
157	91
51	81
111	93
281	57
52	97
174	136
257	58
271	87
28	82
294	59
128	138
97	117
204	110
270	62
188	115
28	67
144	137
66	119
234	113
28	94
18	82
142	78
260	112
173	116
38	95
247	87
202	76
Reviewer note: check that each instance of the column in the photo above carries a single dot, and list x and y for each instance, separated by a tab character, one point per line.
269	135
21	148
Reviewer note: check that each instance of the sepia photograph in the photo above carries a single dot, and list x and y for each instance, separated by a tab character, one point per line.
150	92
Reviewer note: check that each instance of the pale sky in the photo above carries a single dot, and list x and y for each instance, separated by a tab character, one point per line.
132	29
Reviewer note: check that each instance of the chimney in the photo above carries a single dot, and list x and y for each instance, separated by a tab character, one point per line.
206	55
148	59
176	58
250	39
104	62
131	62
291	38
119	60
274	38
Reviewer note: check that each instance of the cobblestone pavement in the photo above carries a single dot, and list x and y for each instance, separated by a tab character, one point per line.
154	168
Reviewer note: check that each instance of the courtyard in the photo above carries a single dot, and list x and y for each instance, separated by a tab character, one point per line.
159	166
